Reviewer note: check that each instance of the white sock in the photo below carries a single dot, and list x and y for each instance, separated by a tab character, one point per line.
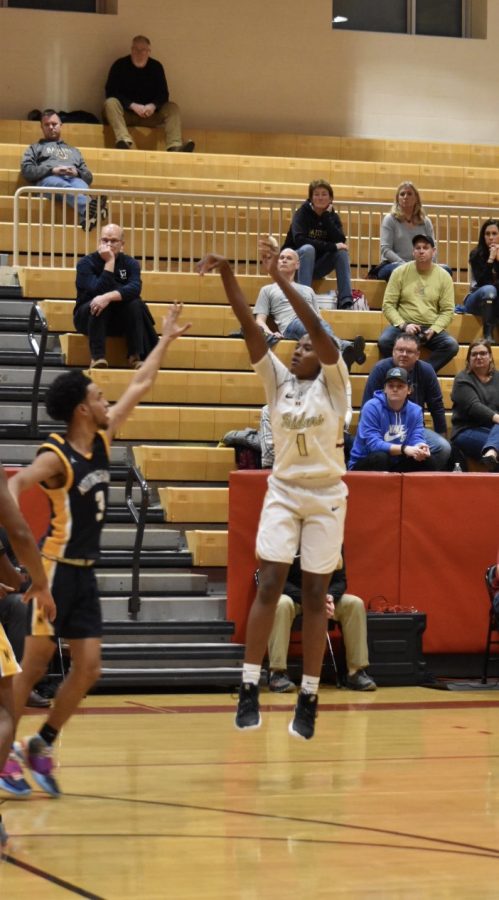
309	685
251	673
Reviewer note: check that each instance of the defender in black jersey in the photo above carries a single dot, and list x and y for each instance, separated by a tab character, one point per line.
73	470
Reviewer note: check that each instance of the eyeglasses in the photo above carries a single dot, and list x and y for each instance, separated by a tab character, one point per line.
104	240
480	353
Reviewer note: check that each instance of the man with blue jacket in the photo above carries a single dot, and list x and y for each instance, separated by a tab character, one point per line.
390	434
425	391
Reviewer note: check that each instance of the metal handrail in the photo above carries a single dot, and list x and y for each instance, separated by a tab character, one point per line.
38	349
134	476
183	227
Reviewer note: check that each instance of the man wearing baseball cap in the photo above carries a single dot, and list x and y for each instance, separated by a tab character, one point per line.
419	299
390	434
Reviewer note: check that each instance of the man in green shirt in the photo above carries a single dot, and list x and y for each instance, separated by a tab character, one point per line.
419	300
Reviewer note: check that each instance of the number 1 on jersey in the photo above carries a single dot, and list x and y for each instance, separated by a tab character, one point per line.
301	443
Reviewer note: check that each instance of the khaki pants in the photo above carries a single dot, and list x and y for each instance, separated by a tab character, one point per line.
168	116
349	612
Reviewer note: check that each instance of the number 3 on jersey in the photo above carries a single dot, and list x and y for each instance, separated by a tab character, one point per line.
301	443
100	501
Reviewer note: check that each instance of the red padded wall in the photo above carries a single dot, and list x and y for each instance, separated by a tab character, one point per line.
450	528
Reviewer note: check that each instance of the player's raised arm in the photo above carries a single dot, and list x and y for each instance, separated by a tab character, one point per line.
326	349
144	378
255	341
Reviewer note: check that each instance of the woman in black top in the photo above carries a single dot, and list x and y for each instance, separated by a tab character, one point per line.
484	261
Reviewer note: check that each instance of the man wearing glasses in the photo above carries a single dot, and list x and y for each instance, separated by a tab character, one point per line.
108	301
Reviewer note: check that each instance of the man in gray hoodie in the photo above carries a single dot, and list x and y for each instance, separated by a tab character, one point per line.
53	163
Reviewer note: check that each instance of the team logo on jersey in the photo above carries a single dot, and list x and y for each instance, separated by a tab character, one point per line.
100	475
298	423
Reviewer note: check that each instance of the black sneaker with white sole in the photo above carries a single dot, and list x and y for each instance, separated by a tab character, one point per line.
97	208
248	708
303	723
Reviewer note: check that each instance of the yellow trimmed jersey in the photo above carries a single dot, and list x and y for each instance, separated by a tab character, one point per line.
8	662
78	507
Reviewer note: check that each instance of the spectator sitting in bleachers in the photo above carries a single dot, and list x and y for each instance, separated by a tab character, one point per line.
347	609
316	233
484	261
50	162
273	302
419	299
137	94
390	435
425	391
406	219
108	301
475	409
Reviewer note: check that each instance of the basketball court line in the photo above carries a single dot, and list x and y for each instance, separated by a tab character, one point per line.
52	879
443	844
133	708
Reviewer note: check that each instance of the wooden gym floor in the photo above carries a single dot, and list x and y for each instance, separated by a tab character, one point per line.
396	797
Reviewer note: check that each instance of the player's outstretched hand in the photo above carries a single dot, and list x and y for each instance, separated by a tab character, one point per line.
44	599
209	263
170	327
269	253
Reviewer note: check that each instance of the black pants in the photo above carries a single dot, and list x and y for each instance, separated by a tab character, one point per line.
125	317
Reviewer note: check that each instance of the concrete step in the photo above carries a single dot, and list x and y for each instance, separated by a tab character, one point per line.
166	609
117	537
174	655
152	583
228	676
164	633
24	453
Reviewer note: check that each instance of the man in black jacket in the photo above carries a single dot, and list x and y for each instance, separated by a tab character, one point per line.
425	391
108	301
317	235
137	94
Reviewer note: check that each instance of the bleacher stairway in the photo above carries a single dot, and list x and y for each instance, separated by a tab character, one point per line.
180	635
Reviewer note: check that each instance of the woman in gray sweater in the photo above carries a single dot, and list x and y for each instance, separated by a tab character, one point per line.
475	406
406	219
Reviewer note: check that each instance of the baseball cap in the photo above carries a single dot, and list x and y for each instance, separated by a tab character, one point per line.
423	237
397	372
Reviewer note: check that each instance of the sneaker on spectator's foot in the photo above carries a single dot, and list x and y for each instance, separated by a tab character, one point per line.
248	709
303	723
36	700
4	837
360	681
12	778
281	683
95	211
188	147
122	145
37	756
99	363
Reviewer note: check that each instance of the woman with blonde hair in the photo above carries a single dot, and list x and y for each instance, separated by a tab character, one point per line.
406	219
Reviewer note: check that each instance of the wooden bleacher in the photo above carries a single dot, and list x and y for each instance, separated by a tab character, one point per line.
206	387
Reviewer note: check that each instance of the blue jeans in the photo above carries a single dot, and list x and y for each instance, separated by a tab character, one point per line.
475	302
442	346
386	269
332	259
66	181
474	441
440	448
